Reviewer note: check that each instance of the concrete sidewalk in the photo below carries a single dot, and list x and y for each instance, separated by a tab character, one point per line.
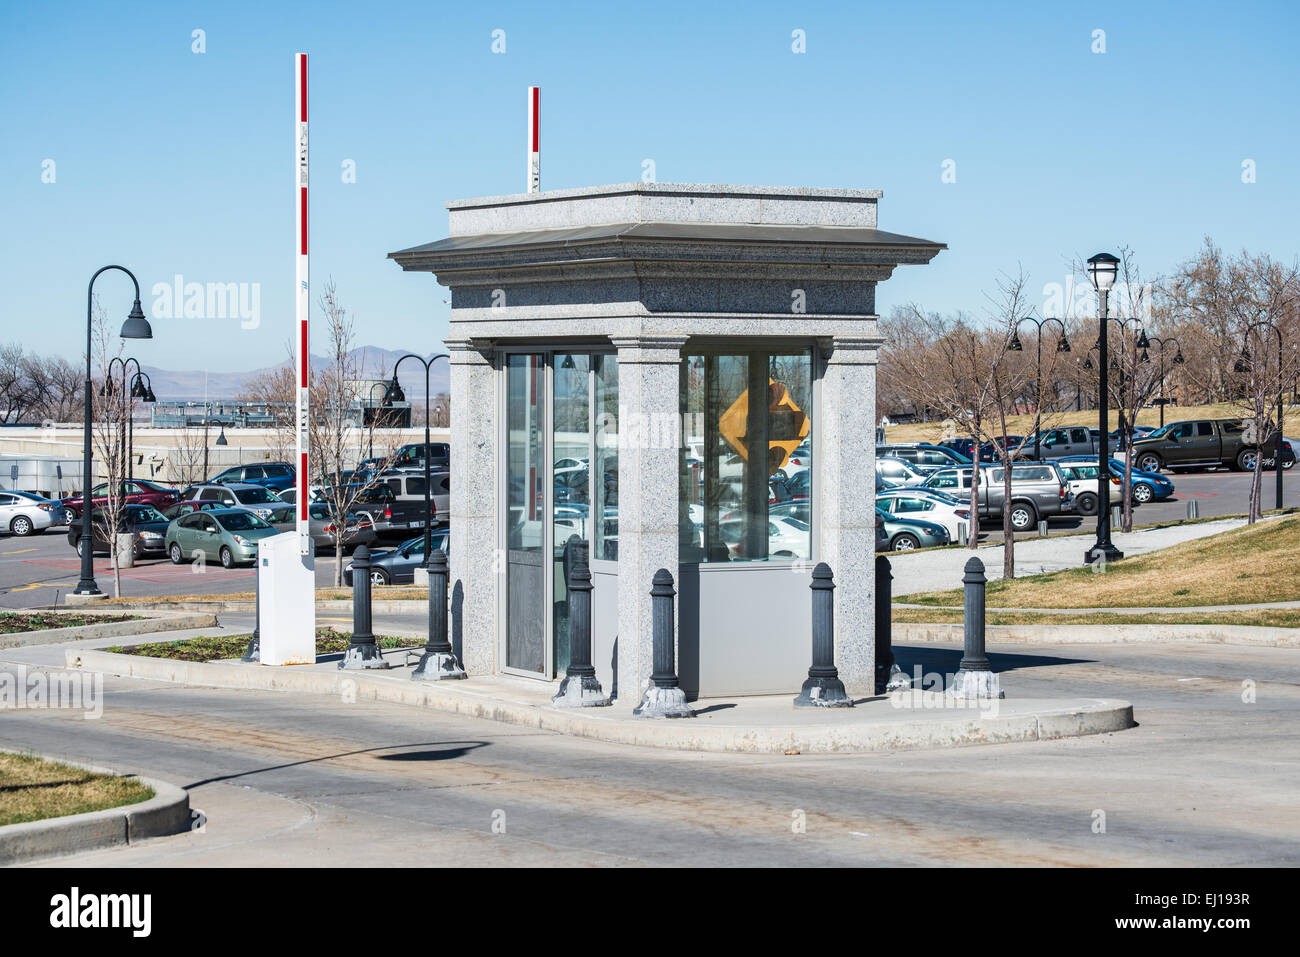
940	569
767	724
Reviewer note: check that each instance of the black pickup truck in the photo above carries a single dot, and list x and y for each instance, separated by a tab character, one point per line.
391	516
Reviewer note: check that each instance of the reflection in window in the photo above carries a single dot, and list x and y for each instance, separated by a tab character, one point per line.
738	503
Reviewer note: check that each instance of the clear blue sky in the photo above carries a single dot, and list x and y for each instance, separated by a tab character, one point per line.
173	162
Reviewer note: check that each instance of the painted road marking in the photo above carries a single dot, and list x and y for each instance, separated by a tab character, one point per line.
18	551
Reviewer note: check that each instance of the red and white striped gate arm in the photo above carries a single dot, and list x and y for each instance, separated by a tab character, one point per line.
302	294
534	139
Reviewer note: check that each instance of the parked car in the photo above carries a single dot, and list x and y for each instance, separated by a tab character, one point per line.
1058	443
272	475
928	505
145	524
397	566
138	492
323	527
923	454
882	533
256	498
1147	486
411	456
897	472
1037	491
227	535
1206	442
390	515
908	534
187	507
1081	480
23	513
290	495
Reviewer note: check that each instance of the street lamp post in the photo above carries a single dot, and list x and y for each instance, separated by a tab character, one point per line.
1062	345
1177	360
1102	269
136	326
393	394
1243	364
139	390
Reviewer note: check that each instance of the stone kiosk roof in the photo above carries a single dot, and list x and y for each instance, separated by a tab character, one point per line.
666	258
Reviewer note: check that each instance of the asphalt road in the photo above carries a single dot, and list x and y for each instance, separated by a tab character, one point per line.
41	569
1205	779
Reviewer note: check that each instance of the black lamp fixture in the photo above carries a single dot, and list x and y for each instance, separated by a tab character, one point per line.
136	325
1063	345
393	393
1143	342
1015	345
1087	362
221	439
1243	361
1178	359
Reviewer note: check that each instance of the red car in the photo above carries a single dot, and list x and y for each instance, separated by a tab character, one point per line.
138	492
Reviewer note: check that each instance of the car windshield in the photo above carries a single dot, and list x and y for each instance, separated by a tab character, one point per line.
1160	433
256	496
241	522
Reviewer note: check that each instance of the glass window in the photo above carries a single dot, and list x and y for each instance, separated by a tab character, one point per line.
1079	435
604	475
525	504
731	448
912	505
1204	428
1183	431
570	442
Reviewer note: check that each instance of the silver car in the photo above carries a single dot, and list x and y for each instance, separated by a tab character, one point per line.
258	499
22	513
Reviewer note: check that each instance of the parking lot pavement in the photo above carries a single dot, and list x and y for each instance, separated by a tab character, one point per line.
1216	493
41	569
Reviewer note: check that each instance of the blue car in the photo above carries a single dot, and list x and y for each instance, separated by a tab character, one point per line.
276	476
1147	486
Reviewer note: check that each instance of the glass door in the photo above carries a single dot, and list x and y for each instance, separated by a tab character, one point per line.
525	510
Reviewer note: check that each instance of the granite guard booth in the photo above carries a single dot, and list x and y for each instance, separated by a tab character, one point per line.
605	345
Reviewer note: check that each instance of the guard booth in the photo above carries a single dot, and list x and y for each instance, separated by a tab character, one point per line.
682	377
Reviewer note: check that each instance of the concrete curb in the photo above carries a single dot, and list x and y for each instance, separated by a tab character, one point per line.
1096	716
116	629
390	606
1246	635
167	812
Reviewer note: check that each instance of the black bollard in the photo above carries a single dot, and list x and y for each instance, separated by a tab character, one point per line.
580	688
253	654
363	651
823	689
974	677
663	699
438	661
889	677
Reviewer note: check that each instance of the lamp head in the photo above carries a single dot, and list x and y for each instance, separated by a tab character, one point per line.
1063	345
1102	270
1178	359
1015	345
136	325
393	393
1143	342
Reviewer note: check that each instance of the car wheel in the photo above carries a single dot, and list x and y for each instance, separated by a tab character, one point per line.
1087	504
1246	460
1287	462
1142	493
1023	517
905	542
378	576
1149	462
227	557
81	546
21	525
175	554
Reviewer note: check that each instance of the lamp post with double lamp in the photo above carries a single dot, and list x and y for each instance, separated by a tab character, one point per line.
1177	360
1102	270
394	394
1062	345
1244	364
136	326
142	389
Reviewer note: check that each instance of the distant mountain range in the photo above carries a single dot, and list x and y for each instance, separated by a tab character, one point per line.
372	363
